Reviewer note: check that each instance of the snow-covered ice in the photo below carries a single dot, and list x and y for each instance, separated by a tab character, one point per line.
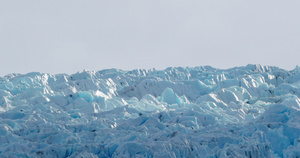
250	111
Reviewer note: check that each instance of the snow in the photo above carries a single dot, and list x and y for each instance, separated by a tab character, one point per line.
250	111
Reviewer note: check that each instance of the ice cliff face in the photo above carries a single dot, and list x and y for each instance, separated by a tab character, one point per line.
251	111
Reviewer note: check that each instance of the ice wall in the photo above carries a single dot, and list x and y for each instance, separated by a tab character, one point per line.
251	111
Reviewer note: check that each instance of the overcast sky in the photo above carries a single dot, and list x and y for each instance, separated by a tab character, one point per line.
66	36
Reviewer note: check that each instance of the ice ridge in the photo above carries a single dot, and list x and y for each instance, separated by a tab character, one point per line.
250	111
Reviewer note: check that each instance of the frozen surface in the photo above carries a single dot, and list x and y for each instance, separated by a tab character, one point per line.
251	111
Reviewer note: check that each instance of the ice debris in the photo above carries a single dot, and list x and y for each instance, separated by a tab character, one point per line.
251	111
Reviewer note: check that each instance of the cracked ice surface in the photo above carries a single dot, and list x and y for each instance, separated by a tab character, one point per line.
251	111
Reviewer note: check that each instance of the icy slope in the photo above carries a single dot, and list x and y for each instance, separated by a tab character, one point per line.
251	111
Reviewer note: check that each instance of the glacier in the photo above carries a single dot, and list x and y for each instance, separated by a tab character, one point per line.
251	111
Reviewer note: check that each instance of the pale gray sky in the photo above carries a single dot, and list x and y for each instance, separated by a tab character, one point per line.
66	36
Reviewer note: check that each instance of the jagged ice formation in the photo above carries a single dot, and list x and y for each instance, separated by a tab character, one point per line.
251	111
